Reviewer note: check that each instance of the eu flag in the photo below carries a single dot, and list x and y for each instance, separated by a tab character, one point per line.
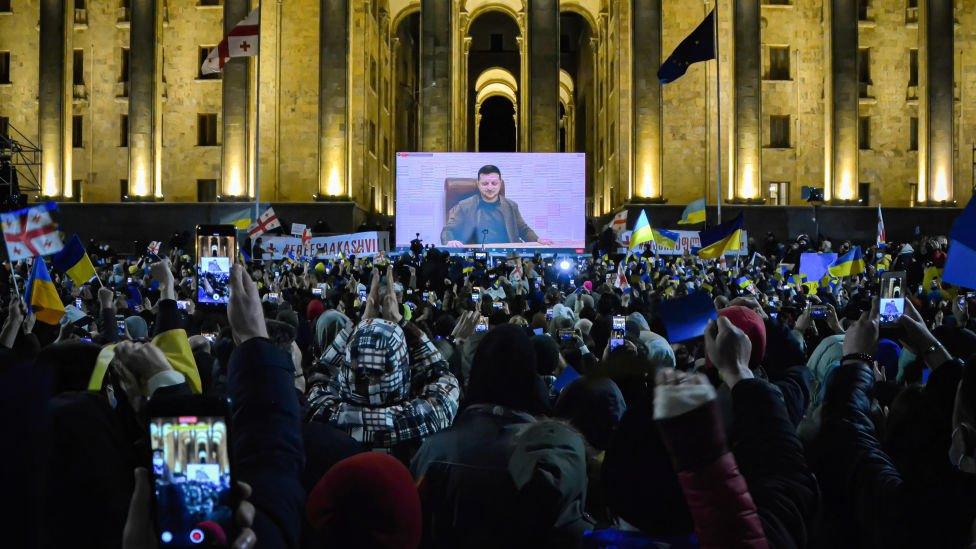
697	46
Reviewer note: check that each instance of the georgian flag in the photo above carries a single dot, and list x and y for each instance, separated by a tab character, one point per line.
265	223
154	246
30	232
242	41
882	237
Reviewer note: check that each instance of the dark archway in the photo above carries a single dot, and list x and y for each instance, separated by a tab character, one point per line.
497	130
494	43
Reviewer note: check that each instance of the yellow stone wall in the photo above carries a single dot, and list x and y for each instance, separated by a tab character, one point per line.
290	82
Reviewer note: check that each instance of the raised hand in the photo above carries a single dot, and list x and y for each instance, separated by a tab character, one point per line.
391	307
244	310
729	349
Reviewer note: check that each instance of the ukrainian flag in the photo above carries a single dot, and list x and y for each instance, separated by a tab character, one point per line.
42	296
666	239
642	231
694	213
718	240
743	282
73	261
851	263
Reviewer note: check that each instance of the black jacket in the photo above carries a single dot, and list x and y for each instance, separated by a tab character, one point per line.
267	439
770	457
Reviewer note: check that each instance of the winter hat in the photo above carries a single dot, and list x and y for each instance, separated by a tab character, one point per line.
594	406
137	327
588	285
367	500
288	315
546	354
314	309
749	322
320	267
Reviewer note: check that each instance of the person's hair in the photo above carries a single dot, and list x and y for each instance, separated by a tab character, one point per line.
504	372
487	169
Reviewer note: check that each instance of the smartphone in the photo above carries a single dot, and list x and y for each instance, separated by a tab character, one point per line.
892	297
566	334
773	315
317	292
181	305
618	329
216	249
481	256
120	323
128	280
210	336
78	303
362	295
549	313
191	471
818	311
497	305
476	295
482	324
610	278
273	297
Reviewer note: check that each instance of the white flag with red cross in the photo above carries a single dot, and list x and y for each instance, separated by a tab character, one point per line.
31	232
241	41
267	221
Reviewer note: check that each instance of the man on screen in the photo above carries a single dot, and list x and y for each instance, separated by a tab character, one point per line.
487	217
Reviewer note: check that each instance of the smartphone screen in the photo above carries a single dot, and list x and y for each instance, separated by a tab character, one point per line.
181	305
566	334
618	329
818	311
273	297
476	295
482	324
191	479
120	323
216	247
892	297
549	313
497	305
619	322
78	303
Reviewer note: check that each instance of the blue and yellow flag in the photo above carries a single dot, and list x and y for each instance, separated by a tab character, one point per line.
642	232
665	238
849	264
694	213
718	240
73	261
42	296
743	282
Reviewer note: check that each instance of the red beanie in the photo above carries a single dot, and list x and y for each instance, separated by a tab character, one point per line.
752	324
314	310
367	500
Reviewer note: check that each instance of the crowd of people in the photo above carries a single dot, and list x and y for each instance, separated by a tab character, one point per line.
431	400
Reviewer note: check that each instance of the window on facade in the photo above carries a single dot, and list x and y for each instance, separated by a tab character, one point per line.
779	131
202	53
4	67
613	74
372	73
77	132
779	63
778	193
4	126
78	68
864	193
372	137
862	9
913	133
76	189
123	189
386	152
209	3
777	2
913	67
206	129
206	190
124	66
864	65
5	6
612	138
124	130
864	133
79	4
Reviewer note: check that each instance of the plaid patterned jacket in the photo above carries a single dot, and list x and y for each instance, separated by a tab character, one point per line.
389	398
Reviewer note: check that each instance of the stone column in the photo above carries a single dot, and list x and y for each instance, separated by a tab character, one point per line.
143	92
234	152
747	115
543	44
841	89
436	59
646	43
333	110
54	97
936	43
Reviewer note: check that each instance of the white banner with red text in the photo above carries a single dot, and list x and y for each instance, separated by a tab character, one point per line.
687	242
365	244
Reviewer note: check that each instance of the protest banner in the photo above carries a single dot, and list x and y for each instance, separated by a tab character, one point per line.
297	229
686	243
359	244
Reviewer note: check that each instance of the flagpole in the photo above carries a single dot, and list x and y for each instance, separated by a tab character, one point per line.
257	125
718	121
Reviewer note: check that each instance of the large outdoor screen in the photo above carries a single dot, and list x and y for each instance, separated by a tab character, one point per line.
495	199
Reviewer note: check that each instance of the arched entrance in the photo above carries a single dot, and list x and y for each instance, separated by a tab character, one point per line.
492	55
